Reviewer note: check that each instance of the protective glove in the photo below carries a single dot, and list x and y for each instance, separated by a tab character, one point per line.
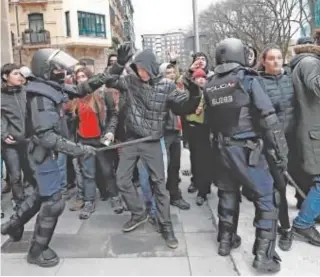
87	150
124	54
192	87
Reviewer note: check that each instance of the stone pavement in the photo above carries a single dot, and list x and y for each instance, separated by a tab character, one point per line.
98	247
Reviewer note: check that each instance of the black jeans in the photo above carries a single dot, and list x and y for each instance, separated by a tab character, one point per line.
152	157
201	157
17	159
173	145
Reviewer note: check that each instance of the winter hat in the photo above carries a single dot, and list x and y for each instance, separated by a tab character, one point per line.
163	67
26	72
199	73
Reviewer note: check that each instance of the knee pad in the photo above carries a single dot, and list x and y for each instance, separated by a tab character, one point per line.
29	207
53	206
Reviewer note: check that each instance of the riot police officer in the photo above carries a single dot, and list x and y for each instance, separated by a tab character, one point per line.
44	104
242	119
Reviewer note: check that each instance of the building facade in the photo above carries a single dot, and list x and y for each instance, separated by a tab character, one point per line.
81	28
163	44
129	33
116	11
6	43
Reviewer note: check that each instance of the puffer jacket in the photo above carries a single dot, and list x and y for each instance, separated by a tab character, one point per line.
147	103
280	90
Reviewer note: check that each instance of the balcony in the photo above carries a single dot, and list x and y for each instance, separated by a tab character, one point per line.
36	38
25	4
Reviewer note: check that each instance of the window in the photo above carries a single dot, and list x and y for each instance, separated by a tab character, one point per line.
91	25
68	30
36	22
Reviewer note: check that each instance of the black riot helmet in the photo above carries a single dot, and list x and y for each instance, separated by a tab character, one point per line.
232	50
45	62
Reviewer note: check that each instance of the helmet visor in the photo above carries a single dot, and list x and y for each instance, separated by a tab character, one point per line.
62	60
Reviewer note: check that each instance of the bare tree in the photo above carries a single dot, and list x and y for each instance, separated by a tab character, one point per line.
256	22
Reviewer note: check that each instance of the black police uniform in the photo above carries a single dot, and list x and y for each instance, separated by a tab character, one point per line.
45	97
240	114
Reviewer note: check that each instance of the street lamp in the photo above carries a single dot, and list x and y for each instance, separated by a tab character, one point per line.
195	26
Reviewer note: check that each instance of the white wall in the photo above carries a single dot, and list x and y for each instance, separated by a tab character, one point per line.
91	6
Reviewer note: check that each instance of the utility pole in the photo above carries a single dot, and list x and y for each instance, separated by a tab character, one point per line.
195	26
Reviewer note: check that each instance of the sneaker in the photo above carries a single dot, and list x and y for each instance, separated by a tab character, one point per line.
181	204
116	204
77	206
310	235
134	222
88	209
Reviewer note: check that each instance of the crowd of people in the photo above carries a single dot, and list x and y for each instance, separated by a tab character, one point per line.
246	125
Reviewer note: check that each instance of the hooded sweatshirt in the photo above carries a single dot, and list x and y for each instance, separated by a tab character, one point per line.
144	102
306	82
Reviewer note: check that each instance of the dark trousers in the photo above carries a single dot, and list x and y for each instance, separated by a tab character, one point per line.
234	172
105	173
16	159
280	185
71	174
152	157
201	158
173	146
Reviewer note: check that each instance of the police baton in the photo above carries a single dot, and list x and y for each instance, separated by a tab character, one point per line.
124	144
294	184
288	176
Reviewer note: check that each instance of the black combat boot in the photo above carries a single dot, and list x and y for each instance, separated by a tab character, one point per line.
228	239
15	226
40	253
168	235
48	257
266	259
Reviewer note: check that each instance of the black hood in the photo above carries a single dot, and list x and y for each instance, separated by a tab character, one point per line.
147	60
304	50
201	54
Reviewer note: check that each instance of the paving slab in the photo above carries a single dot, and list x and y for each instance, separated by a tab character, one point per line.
112	224
303	259
197	222
212	266
125	267
20	267
201	244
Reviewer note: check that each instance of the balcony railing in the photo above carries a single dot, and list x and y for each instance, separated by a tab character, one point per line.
34	38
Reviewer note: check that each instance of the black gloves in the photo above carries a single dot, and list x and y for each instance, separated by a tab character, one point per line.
191	86
88	150
124	54
74	149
